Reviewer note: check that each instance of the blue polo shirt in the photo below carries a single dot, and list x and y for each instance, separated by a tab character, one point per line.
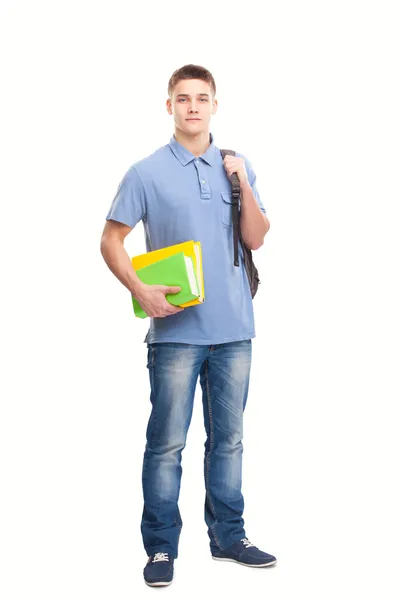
179	197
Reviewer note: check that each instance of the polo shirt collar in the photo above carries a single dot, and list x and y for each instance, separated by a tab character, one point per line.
185	157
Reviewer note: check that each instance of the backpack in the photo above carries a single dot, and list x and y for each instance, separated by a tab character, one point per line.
251	269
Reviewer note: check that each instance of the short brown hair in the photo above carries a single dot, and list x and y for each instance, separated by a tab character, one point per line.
191	72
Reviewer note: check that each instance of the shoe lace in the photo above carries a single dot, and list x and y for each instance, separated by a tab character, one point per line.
160	556
247	543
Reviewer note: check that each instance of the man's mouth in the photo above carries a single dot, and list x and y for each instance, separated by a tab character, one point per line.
193	119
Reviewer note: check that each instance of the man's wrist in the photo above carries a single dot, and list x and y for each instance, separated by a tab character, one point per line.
244	185
137	288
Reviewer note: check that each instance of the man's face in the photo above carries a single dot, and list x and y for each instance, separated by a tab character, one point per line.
192	105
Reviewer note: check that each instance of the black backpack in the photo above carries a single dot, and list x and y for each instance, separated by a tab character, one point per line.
251	269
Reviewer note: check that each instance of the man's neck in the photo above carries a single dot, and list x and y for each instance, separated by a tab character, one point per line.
197	144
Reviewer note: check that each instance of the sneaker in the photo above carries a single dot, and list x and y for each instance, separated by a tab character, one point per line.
159	569
245	553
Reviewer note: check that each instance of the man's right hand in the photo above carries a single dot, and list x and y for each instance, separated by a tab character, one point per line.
152	300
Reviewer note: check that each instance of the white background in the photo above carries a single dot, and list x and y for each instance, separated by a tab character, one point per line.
309	92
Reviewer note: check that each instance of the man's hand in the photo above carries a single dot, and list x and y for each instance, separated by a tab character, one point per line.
234	164
152	299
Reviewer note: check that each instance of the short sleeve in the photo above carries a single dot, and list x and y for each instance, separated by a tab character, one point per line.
253	182
129	205
257	196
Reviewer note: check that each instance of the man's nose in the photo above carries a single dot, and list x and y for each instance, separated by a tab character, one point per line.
193	107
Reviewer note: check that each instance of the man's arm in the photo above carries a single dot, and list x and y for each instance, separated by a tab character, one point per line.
117	259
254	225
150	297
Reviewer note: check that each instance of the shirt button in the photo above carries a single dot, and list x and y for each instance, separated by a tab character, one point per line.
202	181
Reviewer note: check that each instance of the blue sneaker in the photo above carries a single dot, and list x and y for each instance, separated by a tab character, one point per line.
245	553
159	569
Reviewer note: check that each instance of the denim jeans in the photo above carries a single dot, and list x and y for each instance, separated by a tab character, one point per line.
174	368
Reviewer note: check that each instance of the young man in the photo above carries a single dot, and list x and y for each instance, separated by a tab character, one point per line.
182	192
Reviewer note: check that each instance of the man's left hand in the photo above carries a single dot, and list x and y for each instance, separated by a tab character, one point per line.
234	164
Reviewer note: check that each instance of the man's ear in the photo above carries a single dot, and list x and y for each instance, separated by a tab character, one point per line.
215	107
169	106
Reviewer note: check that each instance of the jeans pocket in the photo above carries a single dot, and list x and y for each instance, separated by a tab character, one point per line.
150	355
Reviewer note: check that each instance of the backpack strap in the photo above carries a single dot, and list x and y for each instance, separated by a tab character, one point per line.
235	208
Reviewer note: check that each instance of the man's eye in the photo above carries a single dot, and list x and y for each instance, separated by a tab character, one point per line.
184	99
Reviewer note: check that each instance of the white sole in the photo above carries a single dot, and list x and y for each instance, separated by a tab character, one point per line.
268	564
158	583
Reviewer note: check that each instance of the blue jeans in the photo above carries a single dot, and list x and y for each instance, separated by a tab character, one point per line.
174	368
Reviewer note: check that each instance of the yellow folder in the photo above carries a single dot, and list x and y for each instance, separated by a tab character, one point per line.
189	248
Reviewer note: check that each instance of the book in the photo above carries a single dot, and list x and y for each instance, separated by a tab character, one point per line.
174	270
189	248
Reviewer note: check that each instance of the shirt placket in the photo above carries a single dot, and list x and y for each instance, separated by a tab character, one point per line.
205	192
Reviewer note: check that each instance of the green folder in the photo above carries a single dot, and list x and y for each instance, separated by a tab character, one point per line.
175	270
